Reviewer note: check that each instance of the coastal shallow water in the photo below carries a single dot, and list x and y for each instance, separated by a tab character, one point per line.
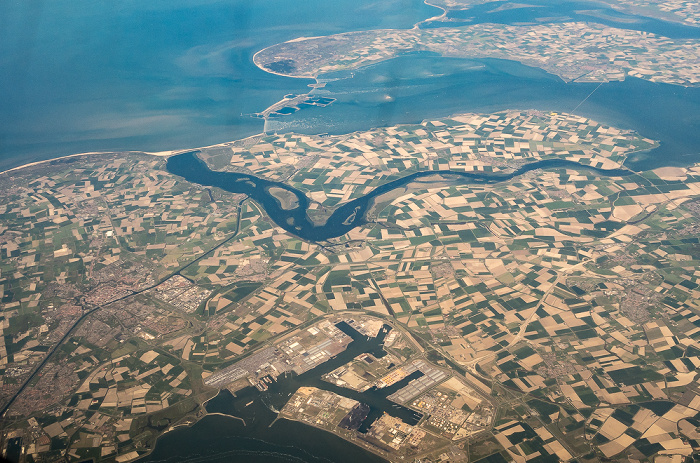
88	75
82	76
419	86
544	11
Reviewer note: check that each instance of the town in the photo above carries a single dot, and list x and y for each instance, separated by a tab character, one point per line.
551	315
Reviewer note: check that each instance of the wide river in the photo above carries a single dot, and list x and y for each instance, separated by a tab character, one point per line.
94	75
350	214
90	75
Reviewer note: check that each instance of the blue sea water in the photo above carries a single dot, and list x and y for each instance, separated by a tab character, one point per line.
546	11
90	75
87	75
411	88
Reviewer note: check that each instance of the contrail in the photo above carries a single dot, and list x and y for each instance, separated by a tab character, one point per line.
589	95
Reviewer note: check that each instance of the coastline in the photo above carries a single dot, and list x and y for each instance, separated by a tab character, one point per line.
190	423
90	153
299	39
160	154
186	424
356	442
36	163
399	53
169	153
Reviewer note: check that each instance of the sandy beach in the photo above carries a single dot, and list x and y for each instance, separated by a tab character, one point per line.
36	163
162	154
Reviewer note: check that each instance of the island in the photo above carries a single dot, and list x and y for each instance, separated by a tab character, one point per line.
508	290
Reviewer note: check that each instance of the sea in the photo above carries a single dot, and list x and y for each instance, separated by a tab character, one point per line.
89	75
86	75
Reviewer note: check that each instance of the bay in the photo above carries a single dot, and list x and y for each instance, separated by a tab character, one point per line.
78	76
547	12
419	86
222	439
88	75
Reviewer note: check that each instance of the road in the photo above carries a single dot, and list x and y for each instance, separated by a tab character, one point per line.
77	323
471	365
